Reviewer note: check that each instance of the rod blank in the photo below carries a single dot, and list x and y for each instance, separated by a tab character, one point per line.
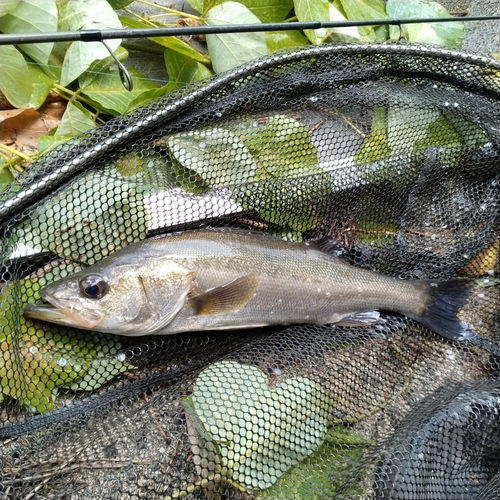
99	35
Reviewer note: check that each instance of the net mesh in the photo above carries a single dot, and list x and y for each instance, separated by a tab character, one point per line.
390	151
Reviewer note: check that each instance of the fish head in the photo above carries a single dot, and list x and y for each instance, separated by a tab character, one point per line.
128	297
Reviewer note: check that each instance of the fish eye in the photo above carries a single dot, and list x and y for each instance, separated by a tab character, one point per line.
93	286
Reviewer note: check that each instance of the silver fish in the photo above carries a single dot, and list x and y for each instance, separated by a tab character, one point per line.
219	279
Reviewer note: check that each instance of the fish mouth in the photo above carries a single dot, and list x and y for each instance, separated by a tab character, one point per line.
60	314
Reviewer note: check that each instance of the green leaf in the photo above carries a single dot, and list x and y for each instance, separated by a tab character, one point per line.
107	90
446	34
233	49
48	142
35	362
469	133
14	84
80	214
170	42
75	120
365	10
292	182
440	133
101	66
375	146
218	156
253	433
396	130
6	176
283	148
320	474
77	15
148	95
7	6
408	125
41	85
183	70
279	40
307	11
268	11
273	170
33	16
119	4
197	5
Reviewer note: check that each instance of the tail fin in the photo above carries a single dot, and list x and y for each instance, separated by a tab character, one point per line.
445	300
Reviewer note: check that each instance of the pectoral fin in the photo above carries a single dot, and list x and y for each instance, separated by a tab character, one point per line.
225	298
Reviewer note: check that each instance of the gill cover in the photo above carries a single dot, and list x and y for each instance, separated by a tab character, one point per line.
165	285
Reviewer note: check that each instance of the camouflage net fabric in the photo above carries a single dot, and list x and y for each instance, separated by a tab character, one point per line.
393	152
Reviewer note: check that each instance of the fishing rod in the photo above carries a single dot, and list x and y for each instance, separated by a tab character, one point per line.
100	35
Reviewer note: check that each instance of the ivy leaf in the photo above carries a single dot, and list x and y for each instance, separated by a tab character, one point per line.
76	15
75	120
233	49
170	42
7	6
183	70
13	82
33	16
254	433
107	90
447	34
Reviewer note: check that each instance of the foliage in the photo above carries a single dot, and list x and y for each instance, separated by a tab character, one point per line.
267	441
262	164
83	74
37	363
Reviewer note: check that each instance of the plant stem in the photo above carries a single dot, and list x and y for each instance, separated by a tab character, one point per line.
77	96
142	19
15	152
171	11
60	88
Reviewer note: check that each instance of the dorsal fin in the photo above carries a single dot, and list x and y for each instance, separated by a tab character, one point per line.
328	244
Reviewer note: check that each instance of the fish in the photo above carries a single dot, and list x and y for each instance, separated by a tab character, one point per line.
226	278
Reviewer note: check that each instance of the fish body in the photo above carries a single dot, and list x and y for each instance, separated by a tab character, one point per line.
219	279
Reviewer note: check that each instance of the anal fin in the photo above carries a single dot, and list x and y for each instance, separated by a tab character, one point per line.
361	319
226	298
